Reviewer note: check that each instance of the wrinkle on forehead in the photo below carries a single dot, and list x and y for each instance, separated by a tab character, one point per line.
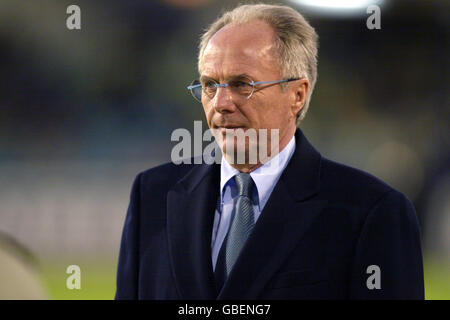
236	48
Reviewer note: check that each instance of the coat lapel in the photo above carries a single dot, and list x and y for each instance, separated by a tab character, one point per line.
290	211
190	215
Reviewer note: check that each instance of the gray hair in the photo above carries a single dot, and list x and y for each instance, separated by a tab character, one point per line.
297	41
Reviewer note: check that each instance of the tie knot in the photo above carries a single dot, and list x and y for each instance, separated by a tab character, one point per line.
244	184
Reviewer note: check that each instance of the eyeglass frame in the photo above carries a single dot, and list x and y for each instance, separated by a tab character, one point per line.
224	85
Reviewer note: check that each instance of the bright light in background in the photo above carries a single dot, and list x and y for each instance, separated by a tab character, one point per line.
338	7
333	4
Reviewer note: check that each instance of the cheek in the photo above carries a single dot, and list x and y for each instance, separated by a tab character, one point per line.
208	111
271	111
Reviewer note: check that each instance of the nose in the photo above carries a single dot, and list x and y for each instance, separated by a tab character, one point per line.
223	100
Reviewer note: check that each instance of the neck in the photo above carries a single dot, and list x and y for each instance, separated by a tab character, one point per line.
272	152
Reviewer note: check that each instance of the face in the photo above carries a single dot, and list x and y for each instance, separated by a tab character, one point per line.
249	49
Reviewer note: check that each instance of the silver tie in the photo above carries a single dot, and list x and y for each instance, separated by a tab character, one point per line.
243	221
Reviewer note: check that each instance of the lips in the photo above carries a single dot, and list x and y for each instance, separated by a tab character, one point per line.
230	127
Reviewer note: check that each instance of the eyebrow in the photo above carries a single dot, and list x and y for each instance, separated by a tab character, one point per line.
204	78
233	77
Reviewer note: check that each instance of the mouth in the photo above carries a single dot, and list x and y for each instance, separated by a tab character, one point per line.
230	128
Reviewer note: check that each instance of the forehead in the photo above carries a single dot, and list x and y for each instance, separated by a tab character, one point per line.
237	49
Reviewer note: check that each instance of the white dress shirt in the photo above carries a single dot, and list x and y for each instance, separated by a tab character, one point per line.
265	178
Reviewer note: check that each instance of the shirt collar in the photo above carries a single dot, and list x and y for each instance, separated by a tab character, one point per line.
265	177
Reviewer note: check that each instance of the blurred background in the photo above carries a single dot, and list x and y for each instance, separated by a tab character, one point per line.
83	111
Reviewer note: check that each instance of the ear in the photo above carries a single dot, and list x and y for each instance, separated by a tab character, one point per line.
300	92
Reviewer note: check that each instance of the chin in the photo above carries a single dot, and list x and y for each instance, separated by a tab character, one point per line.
239	154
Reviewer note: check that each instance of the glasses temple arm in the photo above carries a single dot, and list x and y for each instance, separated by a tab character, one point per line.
276	81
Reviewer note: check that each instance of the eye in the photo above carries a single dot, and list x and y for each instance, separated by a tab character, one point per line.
209	84
239	84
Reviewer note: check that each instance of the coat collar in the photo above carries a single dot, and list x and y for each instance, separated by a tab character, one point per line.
289	212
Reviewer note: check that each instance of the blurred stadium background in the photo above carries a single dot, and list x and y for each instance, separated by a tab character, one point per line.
83	111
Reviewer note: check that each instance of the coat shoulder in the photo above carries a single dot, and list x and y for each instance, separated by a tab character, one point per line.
163	176
354	187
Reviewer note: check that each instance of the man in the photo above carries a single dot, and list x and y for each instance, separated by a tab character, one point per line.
307	228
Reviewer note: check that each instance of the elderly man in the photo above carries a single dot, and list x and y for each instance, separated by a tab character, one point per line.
306	228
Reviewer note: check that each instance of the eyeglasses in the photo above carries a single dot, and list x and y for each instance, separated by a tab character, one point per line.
243	87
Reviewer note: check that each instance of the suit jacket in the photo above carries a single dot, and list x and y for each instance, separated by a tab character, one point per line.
323	233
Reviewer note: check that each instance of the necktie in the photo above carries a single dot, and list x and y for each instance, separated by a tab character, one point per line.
240	229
